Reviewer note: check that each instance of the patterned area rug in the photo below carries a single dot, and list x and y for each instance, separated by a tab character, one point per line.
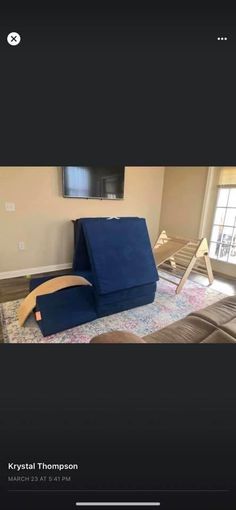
167	308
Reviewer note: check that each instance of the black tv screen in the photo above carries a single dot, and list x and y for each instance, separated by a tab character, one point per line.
93	182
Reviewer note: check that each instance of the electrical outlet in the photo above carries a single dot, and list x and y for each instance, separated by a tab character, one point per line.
21	245
10	206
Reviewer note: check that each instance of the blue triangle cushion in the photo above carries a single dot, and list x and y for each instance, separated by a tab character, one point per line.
119	252
115	255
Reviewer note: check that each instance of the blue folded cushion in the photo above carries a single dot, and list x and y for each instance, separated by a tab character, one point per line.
124	295
120	253
65	309
105	309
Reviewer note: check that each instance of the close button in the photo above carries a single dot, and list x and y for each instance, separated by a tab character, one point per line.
13	38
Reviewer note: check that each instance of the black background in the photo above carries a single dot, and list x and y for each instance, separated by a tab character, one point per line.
145	423
134	85
140	84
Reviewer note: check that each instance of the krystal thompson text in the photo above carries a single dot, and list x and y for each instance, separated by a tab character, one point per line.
41	466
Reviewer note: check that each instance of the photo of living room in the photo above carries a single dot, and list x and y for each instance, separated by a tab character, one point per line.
118	254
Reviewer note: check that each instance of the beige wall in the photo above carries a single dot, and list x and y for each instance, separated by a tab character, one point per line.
43	217
182	201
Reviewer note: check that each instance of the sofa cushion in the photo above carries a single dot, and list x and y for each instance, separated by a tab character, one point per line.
220	313
117	337
219	337
186	331
213	324
230	328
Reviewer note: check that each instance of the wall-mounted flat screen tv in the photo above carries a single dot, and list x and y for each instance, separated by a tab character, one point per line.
93	182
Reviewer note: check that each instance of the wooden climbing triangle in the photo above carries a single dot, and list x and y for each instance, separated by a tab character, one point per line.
179	257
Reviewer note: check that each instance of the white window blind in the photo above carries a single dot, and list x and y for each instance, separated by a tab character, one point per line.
228	176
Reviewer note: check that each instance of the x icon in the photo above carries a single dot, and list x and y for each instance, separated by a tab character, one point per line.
13	38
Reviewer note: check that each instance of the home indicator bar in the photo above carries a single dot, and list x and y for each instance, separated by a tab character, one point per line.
118	503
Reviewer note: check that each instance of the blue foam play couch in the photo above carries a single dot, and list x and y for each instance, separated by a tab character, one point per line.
115	256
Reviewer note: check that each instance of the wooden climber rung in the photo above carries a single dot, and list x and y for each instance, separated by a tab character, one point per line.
176	254
48	287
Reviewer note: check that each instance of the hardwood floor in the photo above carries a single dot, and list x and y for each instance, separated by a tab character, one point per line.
221	284
18	288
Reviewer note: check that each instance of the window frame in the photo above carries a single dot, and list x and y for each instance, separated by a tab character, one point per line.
221	244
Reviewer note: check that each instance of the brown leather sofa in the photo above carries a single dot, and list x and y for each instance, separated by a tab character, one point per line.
215	324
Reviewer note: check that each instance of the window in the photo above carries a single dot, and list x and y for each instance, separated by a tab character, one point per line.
223	236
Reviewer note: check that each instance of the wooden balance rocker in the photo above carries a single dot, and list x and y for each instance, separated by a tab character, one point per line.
179	257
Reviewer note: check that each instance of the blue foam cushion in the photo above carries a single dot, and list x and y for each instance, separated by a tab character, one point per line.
125	294
81	260
65	309
120	253
115	302
111	308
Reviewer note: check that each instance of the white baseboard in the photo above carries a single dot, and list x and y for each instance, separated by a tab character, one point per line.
34	270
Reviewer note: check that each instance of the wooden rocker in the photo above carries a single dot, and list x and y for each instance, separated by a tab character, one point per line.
48	287
173	255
